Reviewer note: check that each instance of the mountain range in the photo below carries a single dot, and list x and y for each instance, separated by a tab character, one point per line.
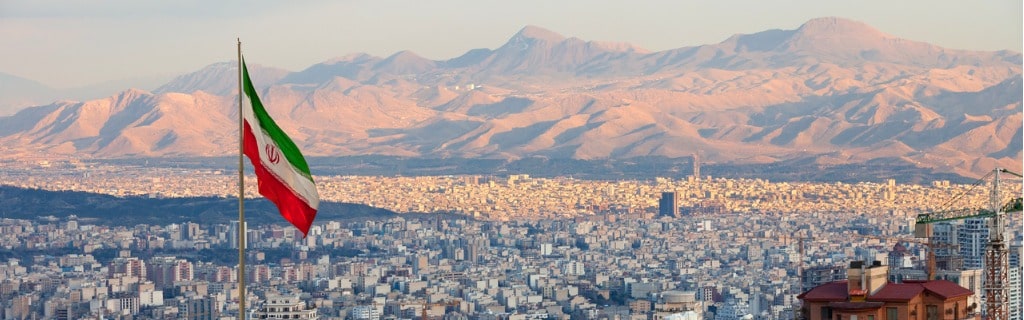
17	92
834	91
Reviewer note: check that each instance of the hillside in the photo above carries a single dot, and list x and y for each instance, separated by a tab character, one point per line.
832	91
29	204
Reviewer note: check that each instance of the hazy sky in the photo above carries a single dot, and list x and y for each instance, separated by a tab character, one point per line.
65	43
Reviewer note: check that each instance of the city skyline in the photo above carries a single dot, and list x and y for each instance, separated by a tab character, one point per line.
517	245
470	171
89	43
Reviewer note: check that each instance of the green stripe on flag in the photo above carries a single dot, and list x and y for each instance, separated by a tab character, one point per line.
288	148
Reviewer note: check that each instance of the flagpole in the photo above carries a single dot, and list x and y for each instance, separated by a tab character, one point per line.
241	193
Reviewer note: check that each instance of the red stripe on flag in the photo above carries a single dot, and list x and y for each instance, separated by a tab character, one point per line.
292	208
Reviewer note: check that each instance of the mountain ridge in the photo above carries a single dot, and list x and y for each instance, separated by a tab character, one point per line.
769	96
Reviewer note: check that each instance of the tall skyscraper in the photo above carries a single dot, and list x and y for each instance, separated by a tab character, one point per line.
1016	250
947	252
475	248
890	190
972	236
696	167
192	231
233	234
668	205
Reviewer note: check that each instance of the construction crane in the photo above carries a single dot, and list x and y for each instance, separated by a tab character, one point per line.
996	254
788	238
931	261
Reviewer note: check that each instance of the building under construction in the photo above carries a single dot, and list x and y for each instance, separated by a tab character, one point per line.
985	225
967	245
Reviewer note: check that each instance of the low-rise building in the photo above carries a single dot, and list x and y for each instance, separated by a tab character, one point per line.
281	307
867	294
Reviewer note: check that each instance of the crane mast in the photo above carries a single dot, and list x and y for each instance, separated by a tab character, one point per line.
997	298
996	260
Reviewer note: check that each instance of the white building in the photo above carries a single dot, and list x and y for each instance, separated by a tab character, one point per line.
1014	278
280	307
574	268
972	236
733	310
364	313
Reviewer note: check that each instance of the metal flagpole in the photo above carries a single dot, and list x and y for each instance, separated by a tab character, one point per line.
241	193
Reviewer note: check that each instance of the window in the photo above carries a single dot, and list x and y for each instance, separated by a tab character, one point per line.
871	317
891	313
826	313
932	312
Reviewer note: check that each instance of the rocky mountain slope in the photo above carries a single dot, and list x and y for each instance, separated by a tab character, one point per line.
834	90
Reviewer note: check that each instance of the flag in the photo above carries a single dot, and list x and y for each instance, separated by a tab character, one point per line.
281	172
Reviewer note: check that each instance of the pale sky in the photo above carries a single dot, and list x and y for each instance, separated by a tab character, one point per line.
67	43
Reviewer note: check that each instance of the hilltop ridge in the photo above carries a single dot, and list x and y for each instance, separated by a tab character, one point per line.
833	90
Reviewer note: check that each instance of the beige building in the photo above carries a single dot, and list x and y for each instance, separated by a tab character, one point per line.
281	307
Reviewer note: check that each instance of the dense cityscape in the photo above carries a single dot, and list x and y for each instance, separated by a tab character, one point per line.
509	160
525	248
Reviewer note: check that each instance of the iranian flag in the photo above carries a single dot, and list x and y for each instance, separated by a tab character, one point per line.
281	171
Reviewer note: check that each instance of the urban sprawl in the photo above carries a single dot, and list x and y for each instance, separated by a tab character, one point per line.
518	247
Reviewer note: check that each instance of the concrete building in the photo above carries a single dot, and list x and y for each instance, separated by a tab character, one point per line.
165	271
816	276
284	307
196	307
668	206
233	230
972	236
696	167
128	267
364	313
674	304
1014	275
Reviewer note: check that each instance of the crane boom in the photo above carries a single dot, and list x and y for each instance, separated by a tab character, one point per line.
1014	205
949	215
995	286
930	263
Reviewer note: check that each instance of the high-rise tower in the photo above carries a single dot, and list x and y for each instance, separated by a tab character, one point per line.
696	167
972	236
1015	310
668	205
233	230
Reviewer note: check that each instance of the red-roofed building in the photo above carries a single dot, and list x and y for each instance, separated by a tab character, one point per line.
866	296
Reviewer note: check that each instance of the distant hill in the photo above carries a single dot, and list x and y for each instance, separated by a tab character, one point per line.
834	91
219	79
17	93
30	204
